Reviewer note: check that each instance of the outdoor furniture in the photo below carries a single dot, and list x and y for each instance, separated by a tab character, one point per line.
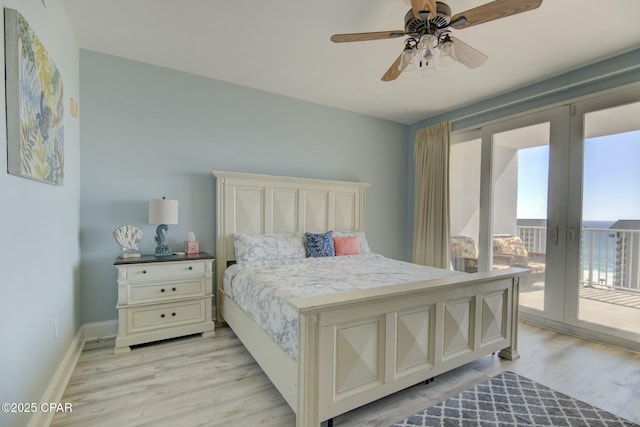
464	254
508	251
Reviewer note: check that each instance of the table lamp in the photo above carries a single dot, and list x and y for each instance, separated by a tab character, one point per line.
162	212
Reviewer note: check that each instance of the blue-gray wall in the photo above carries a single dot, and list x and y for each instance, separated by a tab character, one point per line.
39	250
149	131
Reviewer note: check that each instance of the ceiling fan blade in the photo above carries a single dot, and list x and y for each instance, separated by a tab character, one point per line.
422	5
491	11
393	72
361	37
467	55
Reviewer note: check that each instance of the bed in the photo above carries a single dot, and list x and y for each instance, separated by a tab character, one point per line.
357	345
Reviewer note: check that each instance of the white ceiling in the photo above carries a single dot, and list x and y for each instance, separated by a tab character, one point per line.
283	47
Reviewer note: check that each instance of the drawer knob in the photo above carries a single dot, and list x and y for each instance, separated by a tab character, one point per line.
162	316
173	314
190	267
173	289
144	271
162	290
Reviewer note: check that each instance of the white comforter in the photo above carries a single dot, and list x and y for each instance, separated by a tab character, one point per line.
263	288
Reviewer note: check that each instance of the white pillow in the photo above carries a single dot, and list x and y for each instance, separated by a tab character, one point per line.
362	240
268	247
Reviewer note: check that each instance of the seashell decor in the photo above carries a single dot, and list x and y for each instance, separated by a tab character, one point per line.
128	237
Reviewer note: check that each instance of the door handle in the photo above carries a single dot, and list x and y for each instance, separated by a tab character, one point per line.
571	235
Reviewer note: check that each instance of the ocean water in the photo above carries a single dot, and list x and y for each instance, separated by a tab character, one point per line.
599	250
604	246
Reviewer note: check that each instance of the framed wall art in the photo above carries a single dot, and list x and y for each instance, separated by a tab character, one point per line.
34	102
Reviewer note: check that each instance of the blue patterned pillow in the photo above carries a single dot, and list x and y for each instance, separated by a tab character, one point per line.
319	245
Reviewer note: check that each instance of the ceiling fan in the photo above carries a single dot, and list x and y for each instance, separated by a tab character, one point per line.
427	28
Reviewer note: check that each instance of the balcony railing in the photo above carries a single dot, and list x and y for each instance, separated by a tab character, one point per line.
610	258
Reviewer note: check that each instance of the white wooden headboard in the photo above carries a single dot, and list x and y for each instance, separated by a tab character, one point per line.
259	204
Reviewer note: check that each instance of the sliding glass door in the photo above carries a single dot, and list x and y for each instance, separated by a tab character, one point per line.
557	192
525	155
603	293
519	218
500	208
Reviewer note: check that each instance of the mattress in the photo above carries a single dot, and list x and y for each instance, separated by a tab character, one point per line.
263	288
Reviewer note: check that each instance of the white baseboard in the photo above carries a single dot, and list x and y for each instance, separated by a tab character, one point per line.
100	330
58	384
60	379
583	333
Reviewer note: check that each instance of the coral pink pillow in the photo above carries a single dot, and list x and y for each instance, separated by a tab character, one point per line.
346	245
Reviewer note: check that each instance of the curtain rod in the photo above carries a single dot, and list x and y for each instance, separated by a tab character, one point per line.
627	64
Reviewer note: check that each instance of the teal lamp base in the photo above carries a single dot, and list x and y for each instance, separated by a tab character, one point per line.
162	249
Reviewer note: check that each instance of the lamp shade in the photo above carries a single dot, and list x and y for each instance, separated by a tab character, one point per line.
163	211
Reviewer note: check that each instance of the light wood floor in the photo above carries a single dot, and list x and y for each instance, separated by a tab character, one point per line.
215	382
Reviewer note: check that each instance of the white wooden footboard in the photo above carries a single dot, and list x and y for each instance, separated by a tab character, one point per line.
359	346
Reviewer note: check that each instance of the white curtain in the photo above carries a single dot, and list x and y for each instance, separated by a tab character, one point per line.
431	200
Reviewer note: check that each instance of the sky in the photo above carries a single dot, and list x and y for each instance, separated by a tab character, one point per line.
611	182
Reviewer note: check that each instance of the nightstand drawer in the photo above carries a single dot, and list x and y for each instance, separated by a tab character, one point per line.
165	291
147	272
160	316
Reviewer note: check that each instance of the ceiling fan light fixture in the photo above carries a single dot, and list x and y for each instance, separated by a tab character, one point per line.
447	53
427	41
407	57
428	55
406	60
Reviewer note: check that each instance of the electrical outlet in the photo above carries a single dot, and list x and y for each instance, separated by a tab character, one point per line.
55	328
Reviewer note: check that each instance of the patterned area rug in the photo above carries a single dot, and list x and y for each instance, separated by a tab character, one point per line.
509	399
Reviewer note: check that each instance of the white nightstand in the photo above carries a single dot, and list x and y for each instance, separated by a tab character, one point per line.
160	298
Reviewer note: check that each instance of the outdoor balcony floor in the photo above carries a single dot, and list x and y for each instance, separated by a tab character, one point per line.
617	309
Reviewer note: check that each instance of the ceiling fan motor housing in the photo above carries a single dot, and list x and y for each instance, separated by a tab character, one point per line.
412	25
